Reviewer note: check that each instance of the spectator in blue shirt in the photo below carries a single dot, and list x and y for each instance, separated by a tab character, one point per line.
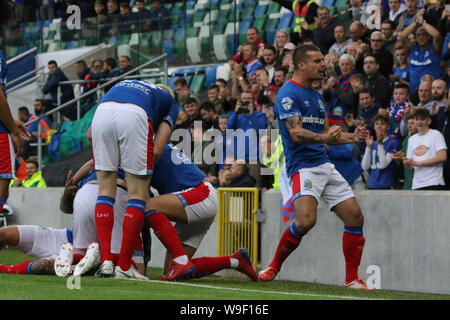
377	158
246	140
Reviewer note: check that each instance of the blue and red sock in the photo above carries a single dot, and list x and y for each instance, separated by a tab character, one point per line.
352	245
21	268
132	226
104	220
288	243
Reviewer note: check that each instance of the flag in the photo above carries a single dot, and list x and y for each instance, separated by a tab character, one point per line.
287	211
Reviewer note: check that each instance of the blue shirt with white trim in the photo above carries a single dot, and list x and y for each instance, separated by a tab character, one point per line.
175	172
294	100
157	103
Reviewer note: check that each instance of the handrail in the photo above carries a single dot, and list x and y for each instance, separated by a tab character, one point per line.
23	76
113	80
21	55
153	75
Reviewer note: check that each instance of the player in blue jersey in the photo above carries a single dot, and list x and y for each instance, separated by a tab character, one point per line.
304	128
11	132
122	134
192	203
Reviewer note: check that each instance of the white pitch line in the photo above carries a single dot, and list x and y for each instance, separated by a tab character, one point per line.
254	290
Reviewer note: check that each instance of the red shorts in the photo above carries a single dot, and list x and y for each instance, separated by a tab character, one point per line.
6	157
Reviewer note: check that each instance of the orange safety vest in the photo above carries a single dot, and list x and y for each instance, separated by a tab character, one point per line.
300	15
44	126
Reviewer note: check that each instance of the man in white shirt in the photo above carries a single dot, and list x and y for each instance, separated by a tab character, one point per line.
427	152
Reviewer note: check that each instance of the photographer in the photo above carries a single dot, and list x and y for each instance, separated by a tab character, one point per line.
250	121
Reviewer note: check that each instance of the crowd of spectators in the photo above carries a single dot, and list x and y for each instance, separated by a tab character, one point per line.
394	80
380	78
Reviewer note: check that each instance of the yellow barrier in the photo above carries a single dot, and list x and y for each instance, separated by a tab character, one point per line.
237	225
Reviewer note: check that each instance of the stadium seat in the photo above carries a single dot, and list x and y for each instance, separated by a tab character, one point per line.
210	73
274	7
193	49
328	3
219	26
285	20
232	41
342	5
220	47
260	10
198	83
343	18
260	23
248	11
270	36
211	17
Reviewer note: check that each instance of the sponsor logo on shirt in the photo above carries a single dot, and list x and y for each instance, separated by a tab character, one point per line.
421	150
287	103
312	119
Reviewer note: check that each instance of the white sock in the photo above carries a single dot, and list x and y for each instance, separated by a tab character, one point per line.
181	259
234	263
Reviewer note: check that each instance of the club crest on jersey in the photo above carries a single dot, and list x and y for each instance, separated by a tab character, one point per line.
321	105
307	184
287	103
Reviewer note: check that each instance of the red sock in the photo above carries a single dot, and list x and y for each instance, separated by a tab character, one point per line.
166	233
209	265
352	245
287	244
132	226
104	220
76	258
21	268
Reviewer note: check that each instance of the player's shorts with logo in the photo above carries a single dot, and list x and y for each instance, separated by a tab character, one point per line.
201	204
84	228
42	242
6	156
321	181
122	135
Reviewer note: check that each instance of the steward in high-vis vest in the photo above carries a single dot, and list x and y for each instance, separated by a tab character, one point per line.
304	10
34	177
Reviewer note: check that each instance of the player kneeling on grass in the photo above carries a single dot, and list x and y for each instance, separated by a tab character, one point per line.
192	203
39	242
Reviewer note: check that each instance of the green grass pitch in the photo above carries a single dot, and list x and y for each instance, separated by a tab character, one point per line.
29	287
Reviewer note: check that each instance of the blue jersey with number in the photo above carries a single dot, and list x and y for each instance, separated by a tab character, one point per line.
293	100
175	172
383	178
3	72
157	103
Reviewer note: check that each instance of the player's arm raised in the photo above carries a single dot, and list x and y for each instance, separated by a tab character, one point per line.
303	136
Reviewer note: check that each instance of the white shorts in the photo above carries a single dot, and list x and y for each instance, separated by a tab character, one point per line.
84	228
201	204
321	181
41	242
122	135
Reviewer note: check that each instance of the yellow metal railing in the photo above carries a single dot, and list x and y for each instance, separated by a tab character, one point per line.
237	225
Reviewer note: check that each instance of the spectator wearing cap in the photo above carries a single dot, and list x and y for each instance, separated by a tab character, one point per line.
342	41
323	33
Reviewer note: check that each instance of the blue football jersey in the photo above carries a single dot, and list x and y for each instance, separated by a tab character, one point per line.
3	73
293	100
93	176
157	103
383	178
175	172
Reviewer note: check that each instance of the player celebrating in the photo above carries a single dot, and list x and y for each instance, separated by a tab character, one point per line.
305	130
192	203
122	135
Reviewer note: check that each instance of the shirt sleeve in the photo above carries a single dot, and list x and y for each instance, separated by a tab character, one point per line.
439	142
172	115
287	107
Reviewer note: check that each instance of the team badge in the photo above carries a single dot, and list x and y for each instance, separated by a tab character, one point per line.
321	105
287	103
338	112
308	184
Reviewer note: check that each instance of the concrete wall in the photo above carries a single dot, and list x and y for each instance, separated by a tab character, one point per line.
406	237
